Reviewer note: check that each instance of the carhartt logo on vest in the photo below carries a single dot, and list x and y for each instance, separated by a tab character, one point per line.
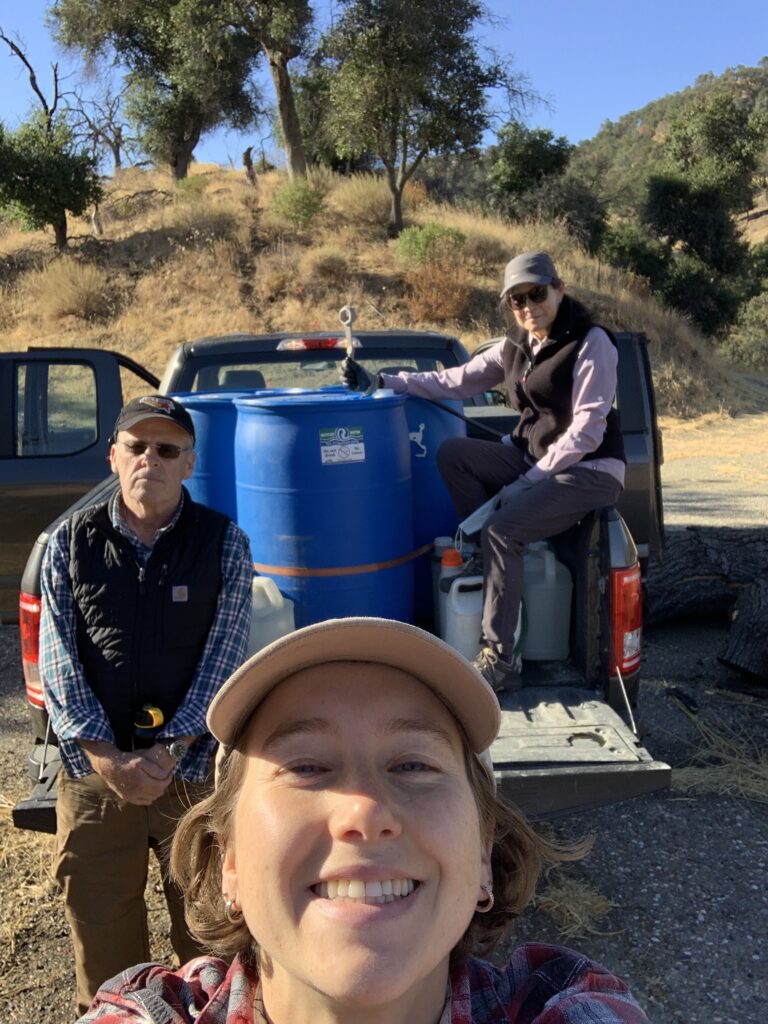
180	594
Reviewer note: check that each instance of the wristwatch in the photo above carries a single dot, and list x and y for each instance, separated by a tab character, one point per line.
177	749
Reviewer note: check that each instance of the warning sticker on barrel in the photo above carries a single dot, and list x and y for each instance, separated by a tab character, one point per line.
342	444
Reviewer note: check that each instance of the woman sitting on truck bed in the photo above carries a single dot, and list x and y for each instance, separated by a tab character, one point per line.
355	853
565	457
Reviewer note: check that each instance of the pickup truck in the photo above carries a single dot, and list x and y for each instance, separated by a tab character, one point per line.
569	737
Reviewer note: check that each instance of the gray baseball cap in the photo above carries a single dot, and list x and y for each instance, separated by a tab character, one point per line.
529	268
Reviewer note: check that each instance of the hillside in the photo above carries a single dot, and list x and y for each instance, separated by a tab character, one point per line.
624	152
214	257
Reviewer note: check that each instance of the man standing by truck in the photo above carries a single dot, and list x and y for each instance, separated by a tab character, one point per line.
565	457
146	609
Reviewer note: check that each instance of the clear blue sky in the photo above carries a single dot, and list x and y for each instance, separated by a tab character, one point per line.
591	59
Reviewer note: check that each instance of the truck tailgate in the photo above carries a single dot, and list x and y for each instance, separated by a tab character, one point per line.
562	749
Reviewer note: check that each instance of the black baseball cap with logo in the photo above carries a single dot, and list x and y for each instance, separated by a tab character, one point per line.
153	407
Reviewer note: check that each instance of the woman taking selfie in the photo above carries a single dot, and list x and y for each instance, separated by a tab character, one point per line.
355	853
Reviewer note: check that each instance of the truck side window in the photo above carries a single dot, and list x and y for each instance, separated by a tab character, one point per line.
56	408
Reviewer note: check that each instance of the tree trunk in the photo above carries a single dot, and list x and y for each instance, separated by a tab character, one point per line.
747	647
396	207
181	159
289	120
396	217
714	573
60	231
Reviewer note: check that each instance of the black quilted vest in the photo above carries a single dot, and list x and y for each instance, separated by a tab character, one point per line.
541	387
140	631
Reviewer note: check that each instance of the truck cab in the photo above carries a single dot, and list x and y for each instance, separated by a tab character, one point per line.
57	411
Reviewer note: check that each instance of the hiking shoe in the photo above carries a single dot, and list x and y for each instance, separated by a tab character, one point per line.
502	675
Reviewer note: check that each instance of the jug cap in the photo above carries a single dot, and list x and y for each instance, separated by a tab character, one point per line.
452	557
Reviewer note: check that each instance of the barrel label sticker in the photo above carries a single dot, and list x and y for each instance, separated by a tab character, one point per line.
342	444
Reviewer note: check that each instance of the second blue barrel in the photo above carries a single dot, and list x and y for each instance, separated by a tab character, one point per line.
324	493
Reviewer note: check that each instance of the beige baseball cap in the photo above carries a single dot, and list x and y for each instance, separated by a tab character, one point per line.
453	679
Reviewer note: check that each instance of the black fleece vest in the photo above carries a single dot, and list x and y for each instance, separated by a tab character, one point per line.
140	631
541	386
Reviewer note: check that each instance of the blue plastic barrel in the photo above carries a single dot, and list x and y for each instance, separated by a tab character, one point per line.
213	480
214	415
433	511
324	494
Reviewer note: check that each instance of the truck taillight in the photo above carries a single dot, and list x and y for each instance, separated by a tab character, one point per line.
29	629
308	344
626	618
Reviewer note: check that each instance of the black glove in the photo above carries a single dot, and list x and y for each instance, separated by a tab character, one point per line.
356	377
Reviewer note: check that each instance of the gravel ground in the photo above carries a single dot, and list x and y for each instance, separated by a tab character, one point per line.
684	873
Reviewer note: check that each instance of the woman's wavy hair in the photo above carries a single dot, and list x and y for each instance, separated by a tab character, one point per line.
519	854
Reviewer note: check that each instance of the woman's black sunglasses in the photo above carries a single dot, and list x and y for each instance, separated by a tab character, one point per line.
536	294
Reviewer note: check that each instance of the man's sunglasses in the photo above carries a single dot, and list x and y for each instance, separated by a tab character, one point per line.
536	295
165	451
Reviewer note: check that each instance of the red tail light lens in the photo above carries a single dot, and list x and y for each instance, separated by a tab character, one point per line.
308	344
626	618
29	630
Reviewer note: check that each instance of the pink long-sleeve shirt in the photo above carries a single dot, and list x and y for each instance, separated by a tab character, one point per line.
594	387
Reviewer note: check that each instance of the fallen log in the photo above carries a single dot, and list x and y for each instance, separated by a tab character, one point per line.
747	646
703	571
716	573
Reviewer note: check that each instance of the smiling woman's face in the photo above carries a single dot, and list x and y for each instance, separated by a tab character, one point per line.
356	853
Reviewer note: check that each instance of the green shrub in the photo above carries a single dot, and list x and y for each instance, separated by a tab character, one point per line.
747	340
298	203
431	244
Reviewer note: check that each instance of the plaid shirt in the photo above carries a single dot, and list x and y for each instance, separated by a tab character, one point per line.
539	985
74	710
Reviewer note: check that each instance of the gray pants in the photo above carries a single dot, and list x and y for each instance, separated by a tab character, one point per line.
474	471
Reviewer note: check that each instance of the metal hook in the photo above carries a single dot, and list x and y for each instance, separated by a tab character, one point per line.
347	316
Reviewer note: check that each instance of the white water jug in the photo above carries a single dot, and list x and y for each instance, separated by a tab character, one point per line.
451	564
439	544
271	614
547	588
463	611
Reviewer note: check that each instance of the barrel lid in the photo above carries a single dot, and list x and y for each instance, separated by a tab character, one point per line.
318	399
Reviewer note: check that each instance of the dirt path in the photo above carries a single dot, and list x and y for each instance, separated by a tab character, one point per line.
715	471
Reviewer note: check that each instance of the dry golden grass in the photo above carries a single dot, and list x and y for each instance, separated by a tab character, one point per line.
362	199
438	292
26	884
577	909
728	763
210	258
326	265
69	287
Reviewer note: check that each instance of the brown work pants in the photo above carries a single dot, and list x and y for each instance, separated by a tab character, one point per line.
101	862
475	470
